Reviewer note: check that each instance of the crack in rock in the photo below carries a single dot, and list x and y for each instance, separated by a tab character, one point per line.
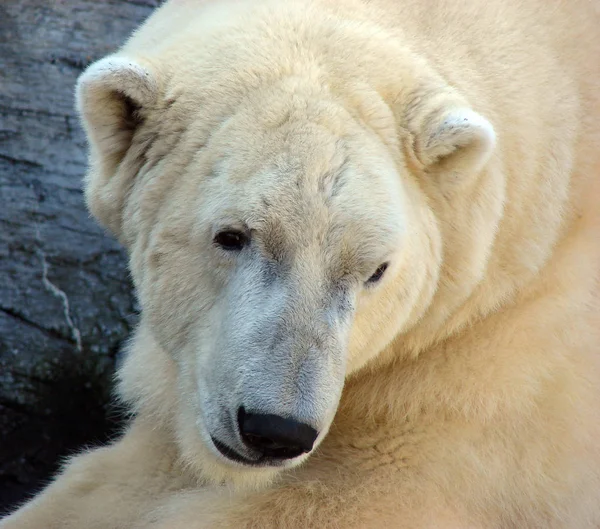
56	291
51	287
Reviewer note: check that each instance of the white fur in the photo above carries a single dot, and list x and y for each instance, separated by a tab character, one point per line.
455	141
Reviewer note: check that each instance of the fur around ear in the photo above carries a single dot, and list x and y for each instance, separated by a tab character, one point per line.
456	141
111	96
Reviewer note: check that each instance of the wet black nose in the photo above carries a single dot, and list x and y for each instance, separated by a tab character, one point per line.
275	436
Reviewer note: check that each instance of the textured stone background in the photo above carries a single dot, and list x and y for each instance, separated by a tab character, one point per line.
66	303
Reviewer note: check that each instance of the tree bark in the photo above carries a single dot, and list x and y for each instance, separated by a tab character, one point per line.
66	302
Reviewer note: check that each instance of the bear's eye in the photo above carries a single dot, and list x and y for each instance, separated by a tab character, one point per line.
378	274
231	240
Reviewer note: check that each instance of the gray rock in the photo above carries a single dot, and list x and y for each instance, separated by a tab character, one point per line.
66	302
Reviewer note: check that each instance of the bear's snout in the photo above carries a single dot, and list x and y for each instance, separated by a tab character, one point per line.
274	436
268	439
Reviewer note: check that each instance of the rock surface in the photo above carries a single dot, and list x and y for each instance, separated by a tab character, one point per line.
66	303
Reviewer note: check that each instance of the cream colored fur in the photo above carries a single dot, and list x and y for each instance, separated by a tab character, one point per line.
468	134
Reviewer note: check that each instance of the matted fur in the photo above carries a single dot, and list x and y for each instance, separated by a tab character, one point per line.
458	141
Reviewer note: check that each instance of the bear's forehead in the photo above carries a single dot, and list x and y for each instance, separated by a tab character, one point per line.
299	171
290	214
304	178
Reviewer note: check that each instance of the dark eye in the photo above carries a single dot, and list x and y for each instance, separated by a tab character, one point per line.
378	274
231	240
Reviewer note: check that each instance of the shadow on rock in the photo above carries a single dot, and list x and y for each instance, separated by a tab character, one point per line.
57	410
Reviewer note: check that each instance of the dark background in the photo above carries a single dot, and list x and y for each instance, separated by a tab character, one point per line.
66	302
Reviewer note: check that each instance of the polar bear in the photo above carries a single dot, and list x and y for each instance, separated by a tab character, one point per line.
365	239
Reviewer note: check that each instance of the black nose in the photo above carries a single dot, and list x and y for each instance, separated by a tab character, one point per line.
274	436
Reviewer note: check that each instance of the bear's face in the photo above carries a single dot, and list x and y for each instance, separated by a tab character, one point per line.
280	239
280	234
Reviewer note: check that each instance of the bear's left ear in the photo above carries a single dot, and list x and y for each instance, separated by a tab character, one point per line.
456	142
113	96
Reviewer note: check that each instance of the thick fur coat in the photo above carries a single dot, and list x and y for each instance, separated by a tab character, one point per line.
413	193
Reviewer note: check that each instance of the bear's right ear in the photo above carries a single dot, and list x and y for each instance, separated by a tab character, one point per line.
455	143
446	138
112	97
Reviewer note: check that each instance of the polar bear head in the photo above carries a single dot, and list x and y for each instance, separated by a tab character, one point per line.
280	204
